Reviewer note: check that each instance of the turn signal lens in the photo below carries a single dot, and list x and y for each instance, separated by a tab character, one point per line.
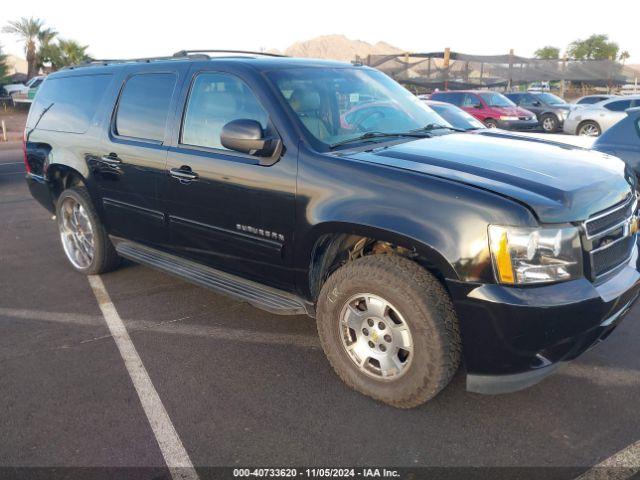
523	255
500	249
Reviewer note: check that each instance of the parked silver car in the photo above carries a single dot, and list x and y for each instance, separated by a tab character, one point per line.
592	120
591	99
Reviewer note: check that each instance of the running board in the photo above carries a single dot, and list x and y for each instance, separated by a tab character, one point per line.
260	296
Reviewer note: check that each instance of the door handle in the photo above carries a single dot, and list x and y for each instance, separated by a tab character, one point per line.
111	159
183	174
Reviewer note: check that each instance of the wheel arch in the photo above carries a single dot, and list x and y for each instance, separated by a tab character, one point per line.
330	245
61	177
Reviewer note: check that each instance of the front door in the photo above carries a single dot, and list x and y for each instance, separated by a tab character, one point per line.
531	103
224	208
131	161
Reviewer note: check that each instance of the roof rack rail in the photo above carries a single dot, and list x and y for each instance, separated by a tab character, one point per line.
108	61
184	53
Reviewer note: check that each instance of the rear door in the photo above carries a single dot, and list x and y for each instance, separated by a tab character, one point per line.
233	213
130	162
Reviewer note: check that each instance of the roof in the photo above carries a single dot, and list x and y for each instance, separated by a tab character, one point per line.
257	60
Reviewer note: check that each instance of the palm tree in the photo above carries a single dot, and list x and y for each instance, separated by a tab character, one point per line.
624	56
45	37
27	29
3	65
72	53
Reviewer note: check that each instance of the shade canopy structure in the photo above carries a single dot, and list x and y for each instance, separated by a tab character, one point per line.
456	70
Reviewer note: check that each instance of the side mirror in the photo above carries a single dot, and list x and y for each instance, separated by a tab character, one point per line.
478	106
247	136
536	103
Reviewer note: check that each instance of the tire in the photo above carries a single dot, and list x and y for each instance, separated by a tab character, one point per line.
491	123
417	299
550	123
74	207
589	128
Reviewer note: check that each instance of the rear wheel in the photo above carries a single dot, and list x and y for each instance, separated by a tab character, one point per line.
389	330
589	129
84	240
491	123
550	123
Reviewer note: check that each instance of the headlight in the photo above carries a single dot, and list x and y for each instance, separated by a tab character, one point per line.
535	255
507	118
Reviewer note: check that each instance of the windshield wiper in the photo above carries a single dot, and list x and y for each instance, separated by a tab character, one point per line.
374	135
436	126
44	110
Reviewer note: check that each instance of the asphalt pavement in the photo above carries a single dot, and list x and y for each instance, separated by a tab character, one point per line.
242	387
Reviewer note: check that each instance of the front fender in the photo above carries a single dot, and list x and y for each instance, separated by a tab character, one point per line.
444	220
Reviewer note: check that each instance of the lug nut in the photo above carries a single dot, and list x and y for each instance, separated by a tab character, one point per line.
371	344
383	348
365	331
381	326
370	322
387	338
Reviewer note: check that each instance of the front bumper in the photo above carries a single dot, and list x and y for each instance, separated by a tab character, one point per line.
518	124
514	337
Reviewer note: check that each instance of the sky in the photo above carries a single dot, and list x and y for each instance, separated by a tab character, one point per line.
129	29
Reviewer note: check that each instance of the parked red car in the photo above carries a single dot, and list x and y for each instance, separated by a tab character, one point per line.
492	108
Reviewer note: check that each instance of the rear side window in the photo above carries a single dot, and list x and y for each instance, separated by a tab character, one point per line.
619	106
449	97
70	103
215	100
471	101
144	106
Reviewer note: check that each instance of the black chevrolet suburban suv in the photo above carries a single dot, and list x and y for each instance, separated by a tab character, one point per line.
327	189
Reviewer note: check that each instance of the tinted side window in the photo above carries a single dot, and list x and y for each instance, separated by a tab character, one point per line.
529	100
471	100
71	101
449	97
619	106
215	100
144	105
589	100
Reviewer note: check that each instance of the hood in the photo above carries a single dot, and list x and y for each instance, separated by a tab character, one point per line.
560	183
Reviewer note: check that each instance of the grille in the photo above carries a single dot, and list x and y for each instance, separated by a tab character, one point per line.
610	256
604	222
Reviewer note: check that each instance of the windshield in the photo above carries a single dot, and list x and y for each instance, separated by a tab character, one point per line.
551	99
339	104
494	99
457	117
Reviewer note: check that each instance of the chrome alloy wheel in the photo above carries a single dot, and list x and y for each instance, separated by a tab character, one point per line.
376	337
76	233
548	124
589	130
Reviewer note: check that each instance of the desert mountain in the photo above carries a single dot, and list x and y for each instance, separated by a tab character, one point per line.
338	47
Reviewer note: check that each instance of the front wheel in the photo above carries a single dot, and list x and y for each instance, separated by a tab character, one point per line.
389	330
84	240
550	123
491	123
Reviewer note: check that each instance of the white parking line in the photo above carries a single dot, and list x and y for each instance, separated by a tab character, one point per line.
621	466
170	444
